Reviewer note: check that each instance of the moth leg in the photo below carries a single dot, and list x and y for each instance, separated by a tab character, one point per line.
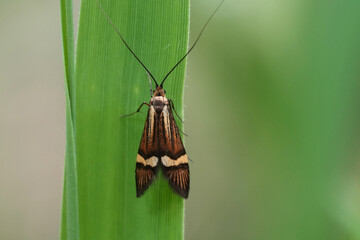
182	132
138	110
173	107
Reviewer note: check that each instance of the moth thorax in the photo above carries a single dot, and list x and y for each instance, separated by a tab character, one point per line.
159	102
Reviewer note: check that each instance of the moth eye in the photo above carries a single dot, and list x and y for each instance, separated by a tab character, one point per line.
164	91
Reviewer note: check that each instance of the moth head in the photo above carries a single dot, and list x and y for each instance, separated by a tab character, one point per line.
159	91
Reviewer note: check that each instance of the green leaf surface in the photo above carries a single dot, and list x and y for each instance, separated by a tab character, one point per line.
110	82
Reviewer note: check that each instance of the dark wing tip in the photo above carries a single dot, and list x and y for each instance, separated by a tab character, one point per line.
179	179
144	176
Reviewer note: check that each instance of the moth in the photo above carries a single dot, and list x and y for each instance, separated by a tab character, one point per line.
161	146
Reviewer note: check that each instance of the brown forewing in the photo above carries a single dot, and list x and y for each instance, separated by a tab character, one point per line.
149	140
145	174
170	143
173	155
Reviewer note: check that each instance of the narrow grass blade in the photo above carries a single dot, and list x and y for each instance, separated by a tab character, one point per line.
69	225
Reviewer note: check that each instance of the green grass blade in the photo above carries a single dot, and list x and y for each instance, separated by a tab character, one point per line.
67	29
110	82
69	224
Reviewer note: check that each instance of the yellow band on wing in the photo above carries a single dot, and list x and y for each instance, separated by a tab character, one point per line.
152	161
168	162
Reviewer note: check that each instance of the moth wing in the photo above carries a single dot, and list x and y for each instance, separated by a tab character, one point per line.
174	160
147	160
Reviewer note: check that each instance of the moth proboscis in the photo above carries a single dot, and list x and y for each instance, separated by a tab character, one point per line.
161	146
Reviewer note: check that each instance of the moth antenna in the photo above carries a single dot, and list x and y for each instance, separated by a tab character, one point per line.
123	40
191	48
151	91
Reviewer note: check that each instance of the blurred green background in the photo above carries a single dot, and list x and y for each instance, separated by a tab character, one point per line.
272	113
